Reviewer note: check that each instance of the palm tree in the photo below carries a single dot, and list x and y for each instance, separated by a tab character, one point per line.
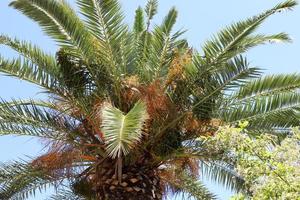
126	105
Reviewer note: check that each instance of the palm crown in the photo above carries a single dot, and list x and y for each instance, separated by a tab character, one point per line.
126	105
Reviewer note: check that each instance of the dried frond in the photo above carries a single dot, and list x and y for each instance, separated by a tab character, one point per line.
159	105
188	164
165	176
56	163
194	127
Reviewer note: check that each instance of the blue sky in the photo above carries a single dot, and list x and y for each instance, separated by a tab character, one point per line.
200	18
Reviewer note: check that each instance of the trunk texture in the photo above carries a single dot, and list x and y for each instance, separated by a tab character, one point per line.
137	184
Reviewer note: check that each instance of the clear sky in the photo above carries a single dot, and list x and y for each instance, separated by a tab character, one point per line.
201	19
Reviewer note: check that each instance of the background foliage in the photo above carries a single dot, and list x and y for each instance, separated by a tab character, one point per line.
270	167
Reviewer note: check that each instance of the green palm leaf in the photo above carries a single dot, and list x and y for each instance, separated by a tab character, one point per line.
33	53
267	112
143	44
105	21
192	187
24	69
223	174
163	44
139	21
19	180
32	118
269	85
151	10
60	22
235	39
65	194
233	75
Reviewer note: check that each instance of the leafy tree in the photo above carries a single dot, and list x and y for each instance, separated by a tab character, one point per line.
270	168
126	105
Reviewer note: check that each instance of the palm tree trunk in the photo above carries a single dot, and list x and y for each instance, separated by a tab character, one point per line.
136	184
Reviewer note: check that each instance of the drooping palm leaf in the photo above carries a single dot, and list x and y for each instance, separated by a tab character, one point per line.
277	111
20	180
65	194
25	70
33	53
32	119
269	85
223	174
193	188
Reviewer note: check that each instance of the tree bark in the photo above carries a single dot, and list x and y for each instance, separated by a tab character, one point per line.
136	184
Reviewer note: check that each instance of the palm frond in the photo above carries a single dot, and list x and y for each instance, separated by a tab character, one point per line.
278	110
169	21
192	187
121	131
141	55
60	22
249	41
20	180
37	67
223	174
33	53
65	194
139	21
234	74
141	40
24	69
151	10
164	43
269	85
105	21
143	46
144	43
234	40
259	39
31	118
